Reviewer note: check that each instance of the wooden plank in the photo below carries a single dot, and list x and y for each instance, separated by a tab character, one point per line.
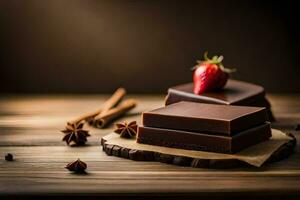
38	121
39	157
128	185
23	121
29	128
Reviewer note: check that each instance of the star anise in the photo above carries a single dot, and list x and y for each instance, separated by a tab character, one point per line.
77	166
126	130
74	134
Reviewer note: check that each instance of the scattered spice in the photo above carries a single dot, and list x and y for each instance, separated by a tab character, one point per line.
9	157
77	166
127	130
74	134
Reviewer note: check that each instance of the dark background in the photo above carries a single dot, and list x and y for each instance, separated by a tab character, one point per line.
89	46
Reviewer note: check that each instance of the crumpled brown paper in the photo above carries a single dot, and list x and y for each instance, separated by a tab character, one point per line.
255	155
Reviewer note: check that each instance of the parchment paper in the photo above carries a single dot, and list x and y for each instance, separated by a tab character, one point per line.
255	155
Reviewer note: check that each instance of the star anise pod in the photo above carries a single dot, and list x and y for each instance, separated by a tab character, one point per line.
126	130
77	166
74	134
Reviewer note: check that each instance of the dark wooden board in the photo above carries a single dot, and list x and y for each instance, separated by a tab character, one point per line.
140	155
30	129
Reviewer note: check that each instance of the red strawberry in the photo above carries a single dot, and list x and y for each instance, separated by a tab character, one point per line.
210	74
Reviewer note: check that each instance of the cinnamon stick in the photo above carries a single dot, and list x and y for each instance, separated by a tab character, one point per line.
113	100
103	119
87	117
108	104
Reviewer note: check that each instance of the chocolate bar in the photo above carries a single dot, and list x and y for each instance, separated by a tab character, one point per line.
205	118
234	93
204	142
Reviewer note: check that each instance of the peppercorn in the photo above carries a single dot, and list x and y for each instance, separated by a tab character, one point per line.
9	157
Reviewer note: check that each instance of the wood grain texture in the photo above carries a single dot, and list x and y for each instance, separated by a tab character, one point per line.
112	149
29	128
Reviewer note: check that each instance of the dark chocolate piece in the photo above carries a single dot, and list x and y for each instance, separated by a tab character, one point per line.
234	93
204	142
205	118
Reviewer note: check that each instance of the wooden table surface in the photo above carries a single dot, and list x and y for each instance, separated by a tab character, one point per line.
30	130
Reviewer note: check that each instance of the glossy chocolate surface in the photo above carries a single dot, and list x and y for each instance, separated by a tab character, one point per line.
234	93
208	118
204	142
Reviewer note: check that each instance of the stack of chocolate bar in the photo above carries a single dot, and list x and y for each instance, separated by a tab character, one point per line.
205	127
234	93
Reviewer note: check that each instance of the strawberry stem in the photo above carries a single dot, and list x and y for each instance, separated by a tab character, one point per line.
206	56
220	59
216	60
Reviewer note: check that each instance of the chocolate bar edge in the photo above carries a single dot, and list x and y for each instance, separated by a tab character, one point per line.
221	127
167	138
